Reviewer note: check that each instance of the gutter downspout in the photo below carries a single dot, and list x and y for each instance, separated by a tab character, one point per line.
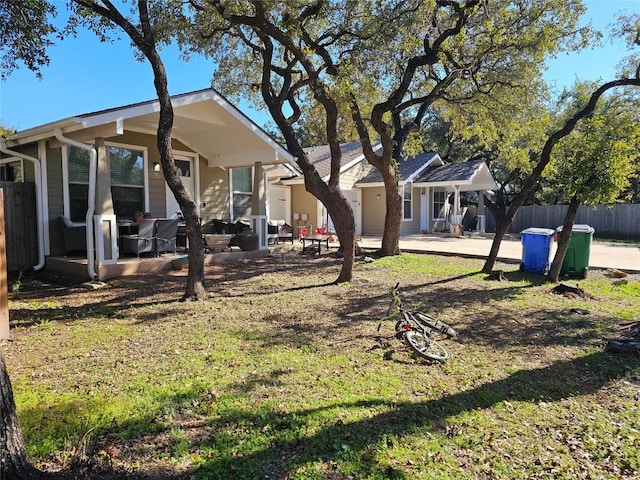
91	200
38	170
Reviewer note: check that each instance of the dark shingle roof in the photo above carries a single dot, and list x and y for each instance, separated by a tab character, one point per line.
452	172
407	167
320	156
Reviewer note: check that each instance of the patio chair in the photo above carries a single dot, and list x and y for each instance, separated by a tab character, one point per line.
143	241
285	233
166	235
75	236
272	230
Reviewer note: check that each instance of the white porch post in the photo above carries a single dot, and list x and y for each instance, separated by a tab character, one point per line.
259	207
481	225
456	219
106	231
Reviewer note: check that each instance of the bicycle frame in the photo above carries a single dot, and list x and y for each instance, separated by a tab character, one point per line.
417	328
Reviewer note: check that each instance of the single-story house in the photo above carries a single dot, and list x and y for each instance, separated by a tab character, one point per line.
98	168
433	192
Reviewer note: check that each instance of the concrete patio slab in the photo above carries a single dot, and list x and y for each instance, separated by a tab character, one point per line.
603	255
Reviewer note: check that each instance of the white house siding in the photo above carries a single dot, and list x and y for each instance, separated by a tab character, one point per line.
349	177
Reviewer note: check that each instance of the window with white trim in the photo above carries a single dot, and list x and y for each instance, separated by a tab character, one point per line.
439	198
407	201
127	181
241	191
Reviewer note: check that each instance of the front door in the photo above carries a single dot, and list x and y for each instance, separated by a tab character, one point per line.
184	165
279	203
354	197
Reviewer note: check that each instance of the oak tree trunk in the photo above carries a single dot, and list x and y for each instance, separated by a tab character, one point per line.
563	240
14	463
393	214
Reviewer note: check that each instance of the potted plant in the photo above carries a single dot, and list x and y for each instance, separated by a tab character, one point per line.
137	216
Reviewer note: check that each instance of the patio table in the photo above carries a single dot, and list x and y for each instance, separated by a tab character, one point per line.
315	240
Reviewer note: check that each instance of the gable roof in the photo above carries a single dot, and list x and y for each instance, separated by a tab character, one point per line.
204	121
473	175
409	169
320	158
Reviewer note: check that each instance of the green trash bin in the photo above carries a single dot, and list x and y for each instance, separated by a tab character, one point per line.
576	261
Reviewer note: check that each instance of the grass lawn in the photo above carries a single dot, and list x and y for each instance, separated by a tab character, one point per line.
282	375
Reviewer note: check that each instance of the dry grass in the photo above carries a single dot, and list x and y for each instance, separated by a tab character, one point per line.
282	374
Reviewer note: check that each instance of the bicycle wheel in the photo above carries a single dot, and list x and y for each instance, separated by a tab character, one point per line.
426	347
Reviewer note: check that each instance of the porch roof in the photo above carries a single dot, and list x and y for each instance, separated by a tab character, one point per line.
203	120
474	175
320	158
409	169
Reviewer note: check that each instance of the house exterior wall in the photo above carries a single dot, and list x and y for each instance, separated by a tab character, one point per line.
349	177
373	211
157	185
55	199
413	225
214	194
303	202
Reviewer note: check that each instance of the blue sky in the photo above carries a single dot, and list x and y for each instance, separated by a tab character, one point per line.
86	75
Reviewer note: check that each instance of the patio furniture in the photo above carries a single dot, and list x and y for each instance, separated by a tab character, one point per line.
285	233
236	228
314	240
272	231
247	240
143	241
217	241
75	236
166	235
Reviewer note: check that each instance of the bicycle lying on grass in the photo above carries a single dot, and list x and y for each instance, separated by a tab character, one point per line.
418	329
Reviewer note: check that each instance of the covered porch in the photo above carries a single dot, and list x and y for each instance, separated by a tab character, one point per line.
98	170
443	187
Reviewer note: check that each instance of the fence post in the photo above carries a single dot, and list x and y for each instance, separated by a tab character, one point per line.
4	289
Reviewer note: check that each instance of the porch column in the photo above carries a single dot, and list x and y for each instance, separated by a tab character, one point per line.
481	225
259	206
456	206
455	227
104	201
104	219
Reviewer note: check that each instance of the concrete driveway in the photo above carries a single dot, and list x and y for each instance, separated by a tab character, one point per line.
602	255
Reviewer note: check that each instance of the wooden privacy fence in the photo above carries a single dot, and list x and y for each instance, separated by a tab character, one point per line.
616	221
20	225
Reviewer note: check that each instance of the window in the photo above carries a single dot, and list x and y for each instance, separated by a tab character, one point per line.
127	181
11	172
407	203
241	190
78	166
439	198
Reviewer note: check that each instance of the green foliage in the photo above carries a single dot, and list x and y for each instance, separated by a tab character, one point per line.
596	161
26	32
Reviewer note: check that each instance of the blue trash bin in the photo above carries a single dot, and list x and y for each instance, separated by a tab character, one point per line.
536	249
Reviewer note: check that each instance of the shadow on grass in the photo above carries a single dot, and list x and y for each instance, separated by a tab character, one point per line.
290	448
285	443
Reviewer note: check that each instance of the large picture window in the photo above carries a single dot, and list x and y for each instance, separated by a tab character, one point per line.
241	191
407	201
127	181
